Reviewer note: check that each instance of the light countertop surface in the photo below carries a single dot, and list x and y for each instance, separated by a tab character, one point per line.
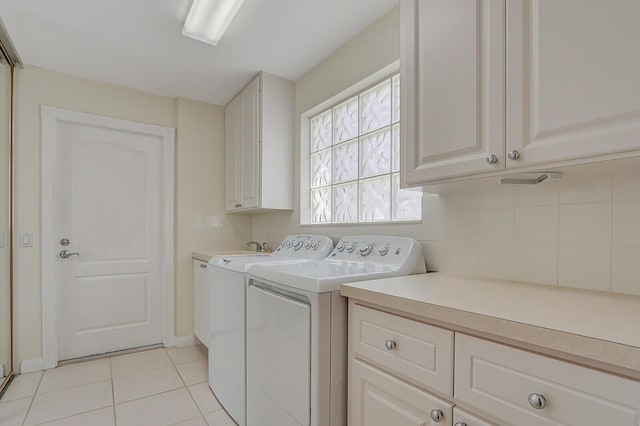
598	329
205	256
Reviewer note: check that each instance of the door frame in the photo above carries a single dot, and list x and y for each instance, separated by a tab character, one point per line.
51	117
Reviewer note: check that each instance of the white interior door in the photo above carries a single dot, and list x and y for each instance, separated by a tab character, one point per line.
108	202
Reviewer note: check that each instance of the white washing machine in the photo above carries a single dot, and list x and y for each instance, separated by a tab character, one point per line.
297	329
227	279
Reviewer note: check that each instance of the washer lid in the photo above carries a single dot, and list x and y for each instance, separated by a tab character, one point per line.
243	263
321	276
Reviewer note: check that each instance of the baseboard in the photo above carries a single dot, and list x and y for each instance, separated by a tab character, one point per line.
182	341
31	365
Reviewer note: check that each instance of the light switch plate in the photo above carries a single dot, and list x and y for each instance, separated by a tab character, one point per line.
26	239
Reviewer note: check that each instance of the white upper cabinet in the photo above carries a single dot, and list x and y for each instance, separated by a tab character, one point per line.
259	146
452	83
494	85
573	90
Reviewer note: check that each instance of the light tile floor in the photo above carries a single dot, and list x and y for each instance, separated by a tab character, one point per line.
159	387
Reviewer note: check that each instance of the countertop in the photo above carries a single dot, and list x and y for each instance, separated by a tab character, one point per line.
205	256
601	330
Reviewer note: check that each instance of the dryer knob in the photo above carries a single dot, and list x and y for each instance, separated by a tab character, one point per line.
298	245
307	246
351	248
340	248
383	250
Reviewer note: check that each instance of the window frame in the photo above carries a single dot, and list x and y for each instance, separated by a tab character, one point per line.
305	150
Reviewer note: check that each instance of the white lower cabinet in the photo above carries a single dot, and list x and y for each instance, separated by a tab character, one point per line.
399	370
200	301
379	399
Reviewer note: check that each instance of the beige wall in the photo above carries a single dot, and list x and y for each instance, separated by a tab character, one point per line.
583	232
199	194
201	223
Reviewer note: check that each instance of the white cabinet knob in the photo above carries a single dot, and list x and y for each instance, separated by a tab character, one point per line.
437	415
537	401
513	155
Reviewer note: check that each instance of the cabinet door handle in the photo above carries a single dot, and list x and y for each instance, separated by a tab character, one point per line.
237	205
390	344
513	155
437	415
492	159
537	401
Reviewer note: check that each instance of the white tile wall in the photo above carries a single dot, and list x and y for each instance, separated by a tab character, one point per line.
582	233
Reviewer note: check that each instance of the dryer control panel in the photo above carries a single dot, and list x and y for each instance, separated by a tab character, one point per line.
387	250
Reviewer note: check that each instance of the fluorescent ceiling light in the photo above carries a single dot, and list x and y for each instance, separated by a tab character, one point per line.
208	19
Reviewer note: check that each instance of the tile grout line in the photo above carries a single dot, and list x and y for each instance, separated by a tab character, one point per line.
33	398
113	394
187	388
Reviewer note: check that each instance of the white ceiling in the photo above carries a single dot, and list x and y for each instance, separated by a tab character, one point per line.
139	43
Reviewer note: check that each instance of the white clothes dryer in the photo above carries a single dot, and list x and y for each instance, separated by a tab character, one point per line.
227	279
297	329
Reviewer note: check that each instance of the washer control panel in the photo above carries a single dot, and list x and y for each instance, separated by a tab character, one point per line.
305	246
374	248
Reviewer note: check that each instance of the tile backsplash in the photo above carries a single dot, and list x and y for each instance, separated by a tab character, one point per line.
574	233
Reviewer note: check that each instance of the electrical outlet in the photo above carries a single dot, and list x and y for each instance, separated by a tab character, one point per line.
26	239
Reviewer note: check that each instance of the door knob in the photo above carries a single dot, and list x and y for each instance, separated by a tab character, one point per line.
65	254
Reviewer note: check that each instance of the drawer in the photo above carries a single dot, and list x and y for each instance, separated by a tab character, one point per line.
498	381
462	418
379	399
417	352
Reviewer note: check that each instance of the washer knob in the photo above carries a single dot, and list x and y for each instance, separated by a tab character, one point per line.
315	246
297	245
340	248
307	246
366	249
289	244
351	248
383	250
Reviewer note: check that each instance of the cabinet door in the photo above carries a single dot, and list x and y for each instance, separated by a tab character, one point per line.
231	154
572	79
200	301
379	399
452	88
249	168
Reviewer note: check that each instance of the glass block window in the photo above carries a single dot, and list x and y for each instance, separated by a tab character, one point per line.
354	160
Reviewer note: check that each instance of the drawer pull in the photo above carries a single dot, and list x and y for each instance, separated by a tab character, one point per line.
436	415
537	401
460	424
390	344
